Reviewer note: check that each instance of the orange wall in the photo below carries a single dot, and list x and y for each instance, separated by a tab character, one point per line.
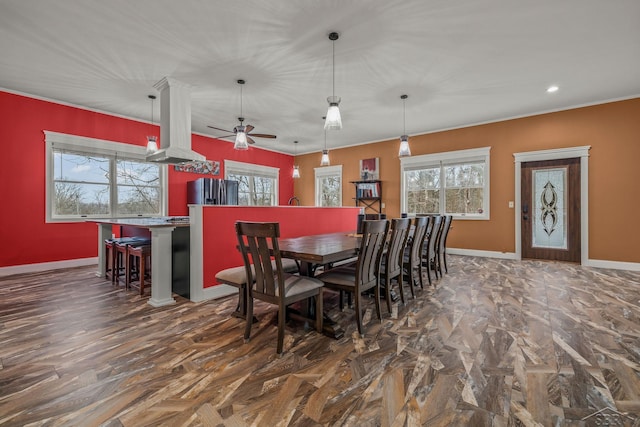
612	130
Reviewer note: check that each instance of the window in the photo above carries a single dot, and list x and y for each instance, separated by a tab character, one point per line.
329	186
258	185
453	183
92	178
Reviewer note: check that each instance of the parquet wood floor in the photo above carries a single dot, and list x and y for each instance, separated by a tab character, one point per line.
496	343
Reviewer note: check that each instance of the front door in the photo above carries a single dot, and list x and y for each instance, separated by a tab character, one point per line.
550	211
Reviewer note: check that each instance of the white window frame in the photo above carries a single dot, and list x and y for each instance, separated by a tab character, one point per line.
250	169
444	159
92	146
324	172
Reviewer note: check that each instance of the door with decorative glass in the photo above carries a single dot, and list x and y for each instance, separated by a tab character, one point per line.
550	211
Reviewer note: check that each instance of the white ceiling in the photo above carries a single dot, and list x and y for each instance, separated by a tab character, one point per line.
461	62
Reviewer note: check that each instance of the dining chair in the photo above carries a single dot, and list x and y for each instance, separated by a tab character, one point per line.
412	262
366	274
430	252
393	257
237	277
258	243
442	244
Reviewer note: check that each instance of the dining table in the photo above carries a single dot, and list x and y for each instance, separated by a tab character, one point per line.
312	251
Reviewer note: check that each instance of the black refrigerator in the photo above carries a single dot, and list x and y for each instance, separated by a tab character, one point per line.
210	191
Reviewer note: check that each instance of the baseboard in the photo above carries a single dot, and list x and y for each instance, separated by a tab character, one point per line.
215	292
486	254
44	266
616	265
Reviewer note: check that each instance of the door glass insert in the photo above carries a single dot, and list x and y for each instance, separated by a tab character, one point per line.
549	213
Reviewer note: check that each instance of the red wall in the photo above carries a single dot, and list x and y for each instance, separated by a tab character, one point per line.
26	238
220	241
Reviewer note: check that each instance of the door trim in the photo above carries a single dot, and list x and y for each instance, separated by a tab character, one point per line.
557	154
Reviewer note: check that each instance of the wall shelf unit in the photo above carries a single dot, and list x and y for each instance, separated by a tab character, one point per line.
369	195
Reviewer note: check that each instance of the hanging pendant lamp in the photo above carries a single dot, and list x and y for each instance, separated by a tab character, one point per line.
333	120
325	153
296	170
404	151
152	140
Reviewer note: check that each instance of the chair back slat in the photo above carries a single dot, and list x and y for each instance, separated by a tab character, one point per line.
374	235
433	237
442	242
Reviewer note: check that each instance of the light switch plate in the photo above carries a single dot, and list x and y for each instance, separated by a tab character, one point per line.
511	204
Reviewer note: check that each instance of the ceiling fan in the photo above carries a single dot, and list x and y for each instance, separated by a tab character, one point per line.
242	128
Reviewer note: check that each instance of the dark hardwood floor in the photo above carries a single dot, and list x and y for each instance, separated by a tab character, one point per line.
496	343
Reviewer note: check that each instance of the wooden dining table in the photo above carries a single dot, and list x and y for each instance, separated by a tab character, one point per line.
321	249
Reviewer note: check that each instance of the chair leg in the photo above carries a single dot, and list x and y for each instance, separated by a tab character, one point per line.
358	313
387	290
249	319
401	287
141	274
444	261
377	296
429	272
319	313
282	314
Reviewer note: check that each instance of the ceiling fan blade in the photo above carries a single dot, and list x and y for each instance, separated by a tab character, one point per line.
263	135
248	128
223	130
250	140
226	136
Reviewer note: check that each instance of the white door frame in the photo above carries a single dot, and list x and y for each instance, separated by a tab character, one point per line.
557	154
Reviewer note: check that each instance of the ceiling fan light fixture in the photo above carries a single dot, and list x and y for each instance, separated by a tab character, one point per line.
241	142
405	150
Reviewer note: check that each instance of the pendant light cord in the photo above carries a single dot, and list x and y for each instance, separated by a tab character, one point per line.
333	67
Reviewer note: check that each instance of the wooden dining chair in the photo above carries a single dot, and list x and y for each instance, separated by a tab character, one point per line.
366	274
413	257
442	244
258	243
393	257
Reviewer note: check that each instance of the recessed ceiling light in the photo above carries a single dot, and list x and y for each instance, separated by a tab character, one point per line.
552	89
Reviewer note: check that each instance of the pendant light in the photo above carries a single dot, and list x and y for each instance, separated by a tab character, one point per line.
241	134
152	140
296	170
404	151
333	120
325	153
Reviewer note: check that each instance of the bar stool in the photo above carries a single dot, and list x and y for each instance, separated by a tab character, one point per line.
121	256
110	255
138	262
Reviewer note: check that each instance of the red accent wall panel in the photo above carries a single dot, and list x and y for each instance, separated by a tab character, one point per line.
219	246
26	237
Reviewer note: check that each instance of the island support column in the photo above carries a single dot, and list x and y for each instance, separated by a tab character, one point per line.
161	266
104	232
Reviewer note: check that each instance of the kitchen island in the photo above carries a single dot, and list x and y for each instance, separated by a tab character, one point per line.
170	253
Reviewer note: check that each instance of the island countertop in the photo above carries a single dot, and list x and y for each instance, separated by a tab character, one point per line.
149	222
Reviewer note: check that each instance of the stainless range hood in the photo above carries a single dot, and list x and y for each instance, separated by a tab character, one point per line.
175	124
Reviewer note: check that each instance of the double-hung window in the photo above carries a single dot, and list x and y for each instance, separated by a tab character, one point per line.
329	186
452	183
258	185
92	178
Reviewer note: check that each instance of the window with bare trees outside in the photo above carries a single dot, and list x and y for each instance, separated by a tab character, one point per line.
452	183
89	178
329	186
257	184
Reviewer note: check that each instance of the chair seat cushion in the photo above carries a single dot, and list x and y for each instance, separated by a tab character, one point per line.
236	276
342	276
295	285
